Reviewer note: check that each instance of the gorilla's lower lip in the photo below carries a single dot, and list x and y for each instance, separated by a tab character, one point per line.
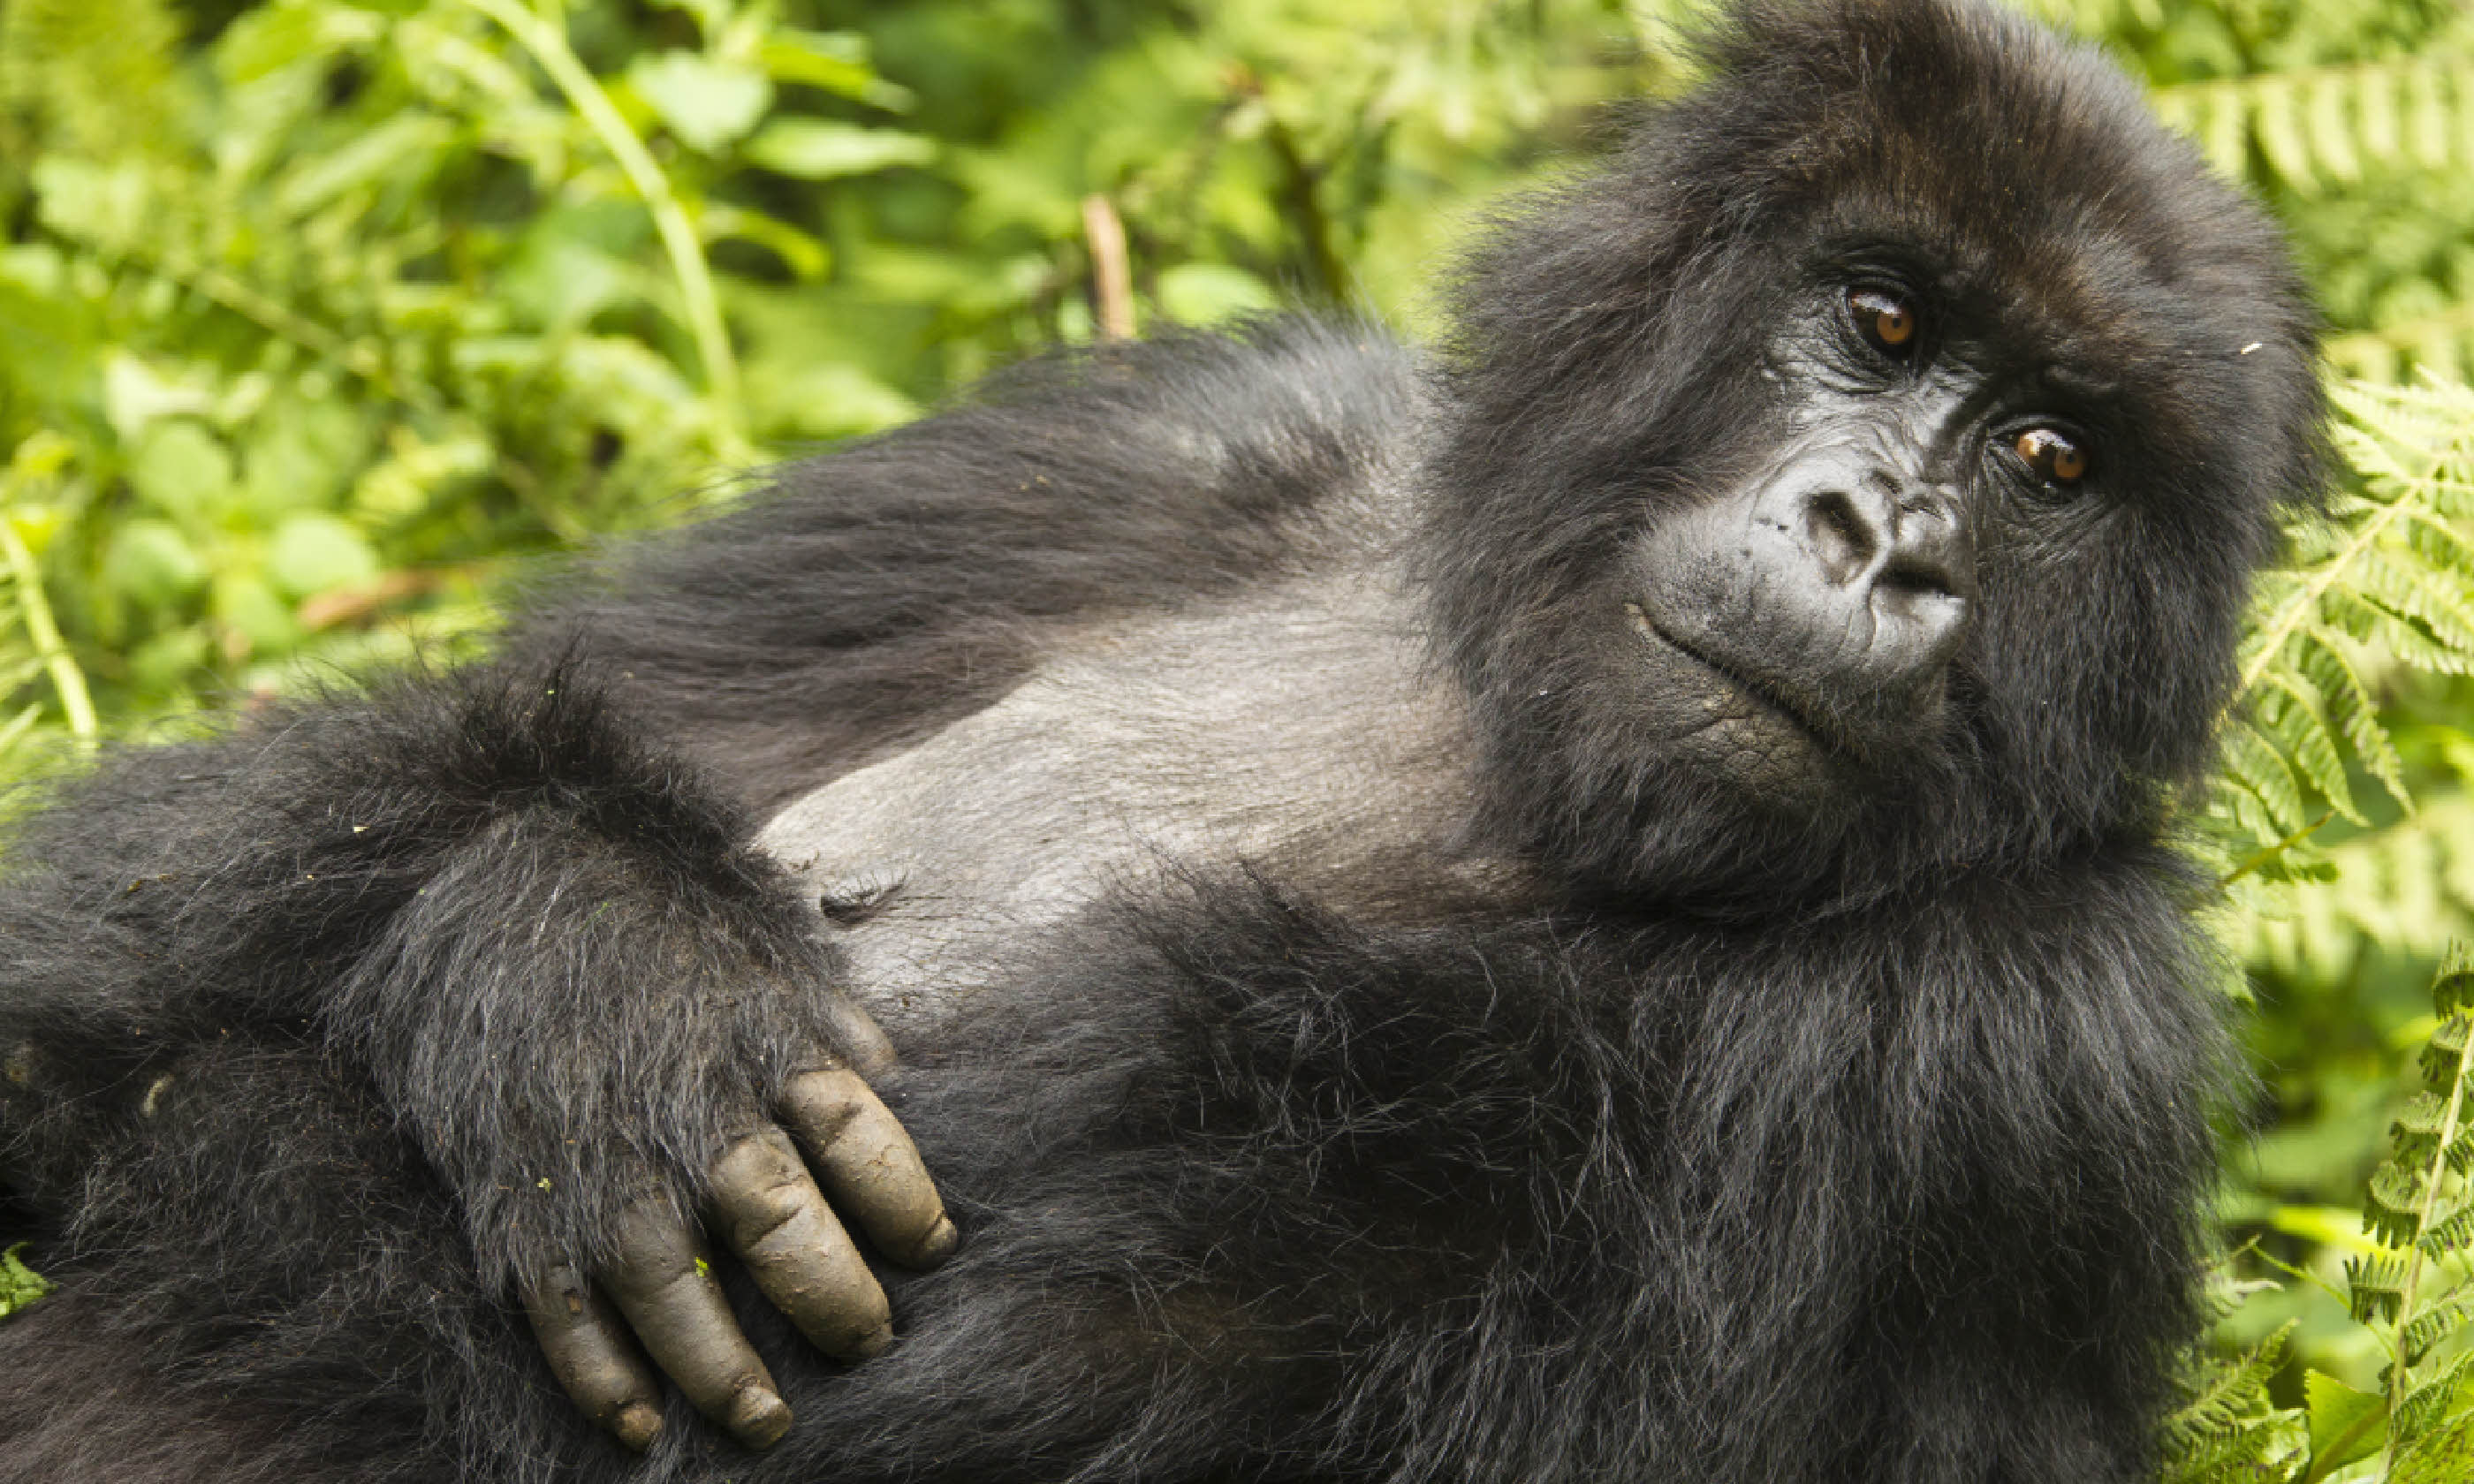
1649	629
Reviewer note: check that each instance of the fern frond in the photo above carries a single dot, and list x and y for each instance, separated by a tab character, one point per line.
2323	125
2227	1428
2230	1390
2452	1234
2420	1409
2375	1286
2433	1325
2392	1204
2346	702
2386	580
2293	714
2445	1051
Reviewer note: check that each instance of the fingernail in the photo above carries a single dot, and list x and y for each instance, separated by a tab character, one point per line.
636	1425
759	1418
941	1243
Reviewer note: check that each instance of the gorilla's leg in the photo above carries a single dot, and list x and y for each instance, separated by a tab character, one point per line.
259	1281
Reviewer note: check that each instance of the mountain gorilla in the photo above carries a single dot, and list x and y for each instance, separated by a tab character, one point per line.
1589	906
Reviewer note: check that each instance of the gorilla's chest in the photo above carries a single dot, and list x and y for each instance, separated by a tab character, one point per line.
1300	733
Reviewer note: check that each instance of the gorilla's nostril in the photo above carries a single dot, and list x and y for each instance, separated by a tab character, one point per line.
1838	536
1916	576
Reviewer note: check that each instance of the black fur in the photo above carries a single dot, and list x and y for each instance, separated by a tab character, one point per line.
1863	1140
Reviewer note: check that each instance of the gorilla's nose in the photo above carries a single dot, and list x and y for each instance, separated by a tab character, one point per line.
1891	569
1839	590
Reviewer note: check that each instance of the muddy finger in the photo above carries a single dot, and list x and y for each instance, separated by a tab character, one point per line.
774	1217
665	1286
870	1166
586	1344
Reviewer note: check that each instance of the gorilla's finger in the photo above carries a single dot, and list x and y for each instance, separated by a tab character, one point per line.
869	1164
864	1046
585	1345
664	1285
777	1221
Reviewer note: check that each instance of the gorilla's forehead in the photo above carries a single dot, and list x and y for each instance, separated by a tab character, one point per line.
2025	170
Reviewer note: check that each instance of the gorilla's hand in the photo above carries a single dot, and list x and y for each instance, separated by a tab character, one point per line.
769	1208
601	1014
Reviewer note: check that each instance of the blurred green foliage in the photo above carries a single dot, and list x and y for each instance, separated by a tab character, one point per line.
316	317
321	320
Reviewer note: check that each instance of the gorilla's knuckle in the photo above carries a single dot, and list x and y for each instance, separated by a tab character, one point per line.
777	1211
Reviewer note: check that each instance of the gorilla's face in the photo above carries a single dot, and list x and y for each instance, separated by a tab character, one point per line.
1796	628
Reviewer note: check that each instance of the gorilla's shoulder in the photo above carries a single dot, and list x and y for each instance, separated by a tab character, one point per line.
1269	414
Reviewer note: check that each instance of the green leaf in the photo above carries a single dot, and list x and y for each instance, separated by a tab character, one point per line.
2289	711
134	394
2349	705
183	469
2228	1427
2253	761
814	149
19	1285
300	453
830	399
834	61
2452	1234
250	608
314	551
708	103
50	342
2443	1456
2445	1050
150	561
2346	1424
2436	1323
410	145
1208	293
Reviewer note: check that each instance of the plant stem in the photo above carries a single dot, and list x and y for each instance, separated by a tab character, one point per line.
68	681
2398	1370
2307	600
2266	854
548	45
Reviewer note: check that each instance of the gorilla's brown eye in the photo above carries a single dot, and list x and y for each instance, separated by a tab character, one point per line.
2052	456
1886	321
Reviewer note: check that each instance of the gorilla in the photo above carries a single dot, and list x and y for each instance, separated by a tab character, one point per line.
1595	901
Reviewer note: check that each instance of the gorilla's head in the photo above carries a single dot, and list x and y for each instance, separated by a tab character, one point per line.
1863	474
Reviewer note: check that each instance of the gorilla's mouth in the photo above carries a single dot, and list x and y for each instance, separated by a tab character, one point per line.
1768	701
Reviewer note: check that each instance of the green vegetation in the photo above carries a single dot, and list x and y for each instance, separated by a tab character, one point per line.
322	320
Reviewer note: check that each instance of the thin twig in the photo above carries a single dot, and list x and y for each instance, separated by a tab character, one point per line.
1112	274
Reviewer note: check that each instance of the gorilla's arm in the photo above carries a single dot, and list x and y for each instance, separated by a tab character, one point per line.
521	902
913	578
545	944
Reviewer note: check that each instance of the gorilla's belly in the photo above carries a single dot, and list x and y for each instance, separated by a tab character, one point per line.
1298	732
